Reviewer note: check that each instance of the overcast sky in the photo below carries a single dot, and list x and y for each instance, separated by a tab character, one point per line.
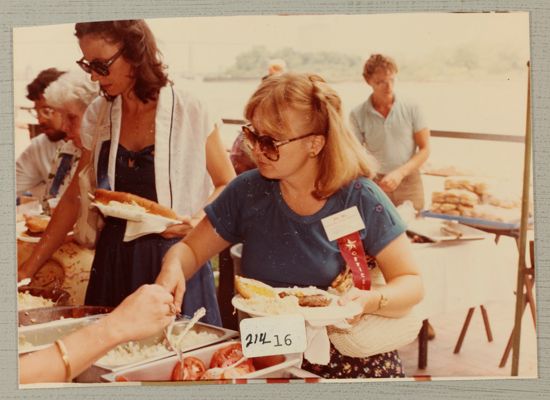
210	44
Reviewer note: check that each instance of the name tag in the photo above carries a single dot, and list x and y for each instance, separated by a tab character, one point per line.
268	336
343	223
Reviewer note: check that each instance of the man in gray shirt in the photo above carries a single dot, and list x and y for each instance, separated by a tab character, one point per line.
394	132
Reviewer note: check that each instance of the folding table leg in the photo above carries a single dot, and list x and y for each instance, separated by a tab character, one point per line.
486	323
423	345
509	344
464	329
530	298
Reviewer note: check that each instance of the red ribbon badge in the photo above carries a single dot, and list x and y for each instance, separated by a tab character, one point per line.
353	252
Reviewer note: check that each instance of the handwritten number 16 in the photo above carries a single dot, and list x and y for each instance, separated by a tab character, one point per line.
287	340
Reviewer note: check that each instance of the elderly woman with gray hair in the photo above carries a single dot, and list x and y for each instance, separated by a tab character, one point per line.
70	95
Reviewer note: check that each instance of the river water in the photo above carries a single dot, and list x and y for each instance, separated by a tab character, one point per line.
495	106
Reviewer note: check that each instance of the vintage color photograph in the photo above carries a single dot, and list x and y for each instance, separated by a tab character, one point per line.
314	198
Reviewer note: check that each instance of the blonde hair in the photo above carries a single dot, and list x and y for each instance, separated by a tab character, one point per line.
377	61
72	86
342	158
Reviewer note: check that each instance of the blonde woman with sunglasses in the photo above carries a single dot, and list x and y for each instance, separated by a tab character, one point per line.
309	167
154	141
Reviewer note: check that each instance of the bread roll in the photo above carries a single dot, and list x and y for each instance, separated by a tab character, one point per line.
438	197
466	211
106	196
248	288
36	223
452	212
445	207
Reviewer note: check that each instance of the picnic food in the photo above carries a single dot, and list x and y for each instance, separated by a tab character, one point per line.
123	199
27	301
225	363
251	287
131	352
476	197
189	369
36	224
307	300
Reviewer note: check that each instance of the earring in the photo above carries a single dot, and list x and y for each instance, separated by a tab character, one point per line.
312	154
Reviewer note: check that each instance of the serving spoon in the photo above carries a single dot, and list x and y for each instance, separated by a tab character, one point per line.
201	312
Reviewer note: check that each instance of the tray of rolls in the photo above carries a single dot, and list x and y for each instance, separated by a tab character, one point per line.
476	201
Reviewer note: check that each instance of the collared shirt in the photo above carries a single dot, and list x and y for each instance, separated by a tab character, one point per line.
390	140
34	164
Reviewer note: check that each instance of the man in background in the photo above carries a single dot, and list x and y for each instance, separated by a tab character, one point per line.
394	131
34	165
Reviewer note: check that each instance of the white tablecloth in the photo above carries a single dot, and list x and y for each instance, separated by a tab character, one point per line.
462	274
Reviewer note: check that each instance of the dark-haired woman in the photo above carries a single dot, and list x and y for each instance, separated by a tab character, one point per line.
153	141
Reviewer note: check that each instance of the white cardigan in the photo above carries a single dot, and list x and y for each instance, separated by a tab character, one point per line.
182	127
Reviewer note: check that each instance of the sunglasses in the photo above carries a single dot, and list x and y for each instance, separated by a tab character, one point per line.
268	146
100	67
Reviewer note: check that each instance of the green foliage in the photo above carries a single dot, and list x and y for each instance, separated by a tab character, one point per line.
330	65
467	61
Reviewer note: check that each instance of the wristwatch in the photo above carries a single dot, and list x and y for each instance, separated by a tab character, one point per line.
382	302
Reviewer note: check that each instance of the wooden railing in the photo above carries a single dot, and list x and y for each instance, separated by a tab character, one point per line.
436	133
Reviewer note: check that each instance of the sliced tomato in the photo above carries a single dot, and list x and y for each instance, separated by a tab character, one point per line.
121	378
267	361
191	369
229	355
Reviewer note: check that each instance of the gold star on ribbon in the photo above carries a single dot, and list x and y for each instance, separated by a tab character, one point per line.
351	244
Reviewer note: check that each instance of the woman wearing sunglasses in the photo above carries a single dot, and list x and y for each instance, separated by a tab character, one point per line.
154	141
309	167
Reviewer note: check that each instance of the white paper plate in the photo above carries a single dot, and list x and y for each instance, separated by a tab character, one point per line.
330	313
127	212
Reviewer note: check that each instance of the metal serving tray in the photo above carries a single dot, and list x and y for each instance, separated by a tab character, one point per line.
161	370
437	230
38	336
99	368
477	222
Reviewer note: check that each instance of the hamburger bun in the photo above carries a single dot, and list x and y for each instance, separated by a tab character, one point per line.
36	224
248	288
106	196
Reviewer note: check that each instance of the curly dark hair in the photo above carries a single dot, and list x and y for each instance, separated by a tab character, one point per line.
35	89
139	49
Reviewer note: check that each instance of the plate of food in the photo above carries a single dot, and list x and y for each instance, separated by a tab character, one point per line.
33	227
130	206
316	305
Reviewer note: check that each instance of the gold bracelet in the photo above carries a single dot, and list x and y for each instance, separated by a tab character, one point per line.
65	357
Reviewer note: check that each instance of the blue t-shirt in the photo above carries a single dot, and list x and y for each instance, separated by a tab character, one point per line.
282	248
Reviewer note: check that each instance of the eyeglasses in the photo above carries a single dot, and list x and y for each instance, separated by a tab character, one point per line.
44	112
268	145
100	67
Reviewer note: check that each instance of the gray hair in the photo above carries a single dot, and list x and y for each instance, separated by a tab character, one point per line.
72	86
